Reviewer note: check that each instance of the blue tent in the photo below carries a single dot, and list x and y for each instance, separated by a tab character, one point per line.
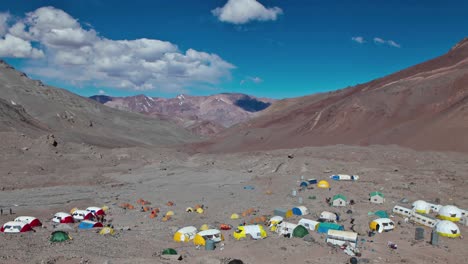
300	210
89	224
303	184
312	181
324	227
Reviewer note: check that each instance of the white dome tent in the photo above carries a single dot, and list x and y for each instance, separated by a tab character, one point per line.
447	229
450	213
421	207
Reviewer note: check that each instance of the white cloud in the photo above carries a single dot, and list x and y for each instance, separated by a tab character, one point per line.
3	23
101	92
358	39
11	46
244	11
386	42
251	79
82	57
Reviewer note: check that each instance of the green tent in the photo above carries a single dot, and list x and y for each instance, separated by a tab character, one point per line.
381	214
300	231
59	236
169	251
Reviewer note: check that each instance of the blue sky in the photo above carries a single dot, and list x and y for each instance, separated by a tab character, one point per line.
266	48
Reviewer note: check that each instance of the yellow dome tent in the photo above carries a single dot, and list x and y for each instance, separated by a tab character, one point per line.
323	184
189	210
170	213
107	231
446	228
450	213
204	227
105	208
200	210
73	210
235	216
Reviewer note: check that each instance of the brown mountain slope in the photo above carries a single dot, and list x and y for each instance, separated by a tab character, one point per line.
26	103
423	107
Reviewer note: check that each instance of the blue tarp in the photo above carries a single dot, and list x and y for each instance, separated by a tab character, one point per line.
324	227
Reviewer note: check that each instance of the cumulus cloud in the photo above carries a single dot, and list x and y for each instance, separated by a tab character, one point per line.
251	79
11	46
3	23
82	56
244	11
358	39
392	43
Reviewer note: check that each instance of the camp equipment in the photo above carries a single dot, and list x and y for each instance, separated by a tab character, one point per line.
59	236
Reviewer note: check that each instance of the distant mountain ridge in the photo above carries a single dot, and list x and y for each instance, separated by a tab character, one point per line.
204	115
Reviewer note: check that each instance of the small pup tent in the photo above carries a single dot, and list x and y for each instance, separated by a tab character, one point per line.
328	216
185	234
377	198
80	215
324	227
210	234
59	236
382	224
63	218
337	237
274	221
344	177
86	224
446	228
15	227
32	221
338	200
96	210
255	231
309	224
421	207
107	231
300	231
304	184
450	213
323	184
300	210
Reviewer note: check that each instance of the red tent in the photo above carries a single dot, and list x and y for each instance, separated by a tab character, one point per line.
15	227
31	220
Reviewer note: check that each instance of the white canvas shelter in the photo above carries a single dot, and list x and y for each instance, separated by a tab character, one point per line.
450	213
185	234
328	216
213	234
337	237
285	228
447	229
309	224
254	231
421	207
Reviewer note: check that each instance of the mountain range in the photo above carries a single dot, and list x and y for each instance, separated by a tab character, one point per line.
205	115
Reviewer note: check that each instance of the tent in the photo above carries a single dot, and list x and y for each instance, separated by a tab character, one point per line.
170	213
200	210
189	210
381	214
344	177
255	231
304	184
73	210
32	221
170	254
382	224
324	227
421	207
107	231
169	251
95	210
15	227
212	234
235	216
447	228
309	224
59	236
300	231
328	216
80	215
63	218
185	234
86	224
312	181
204	227
300	210
338	200
323	184
274	221
450	213
377	197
